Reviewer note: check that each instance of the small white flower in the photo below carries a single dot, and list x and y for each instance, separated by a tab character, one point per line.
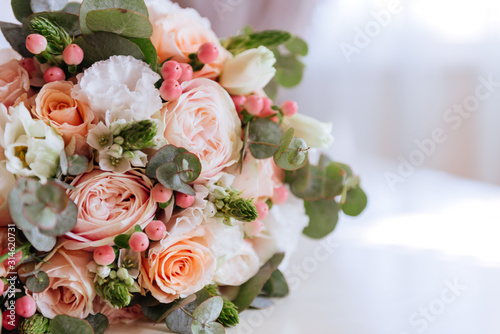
138	159
103	271
110	163
100	137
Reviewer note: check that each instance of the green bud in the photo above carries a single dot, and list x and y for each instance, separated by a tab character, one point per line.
116	293
112	274
129	281
229	315
220	193
122	274
118	140
139	135
57	38
116	128
36	324
134	288
240	209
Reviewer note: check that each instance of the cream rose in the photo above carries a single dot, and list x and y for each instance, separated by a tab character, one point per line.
109	204
178	267
178	32
240	267
204	121
70	117
71	290
258	177
14	82
249	71
7	182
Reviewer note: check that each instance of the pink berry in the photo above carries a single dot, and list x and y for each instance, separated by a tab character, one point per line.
187	72
36	43
208	53
183	200
12	261
28	64
280	195
239	101
73	54
289	108
253	228
254	104
25	306
161	194
262	209
138	241
170	90
9	318
54	74
171	70
155	230
104	255
2	286
266	109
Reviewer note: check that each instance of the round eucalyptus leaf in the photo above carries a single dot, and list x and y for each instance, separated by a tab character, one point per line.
209	310
323	217
38	282
165	154
77	164
355	202
41	242
263	138
168	175
64	324
189	166
123	22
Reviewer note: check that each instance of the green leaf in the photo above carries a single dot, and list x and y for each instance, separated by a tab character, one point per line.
178	321
90	5
250	289
52	195
209	310
272	89
67	21
99	322
209	328
40	216
298	179
285	141
77	164
123	22
160	312
13	33
264	138
189	166
63	324
266	38
21	9
66	220
47	5
333	183
42	242
72	8
355	202
148	50
289	70
38	282
165	154
276	286
323	217
312	191
295	156
168	175
297	45
121	240
102	45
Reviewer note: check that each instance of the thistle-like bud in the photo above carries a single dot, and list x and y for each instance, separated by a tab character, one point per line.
36	324
57	38
229	315
138	135
240	209
116	293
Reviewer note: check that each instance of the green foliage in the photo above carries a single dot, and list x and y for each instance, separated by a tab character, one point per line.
116	292
99	322
123	22
276	286
63	324
138	135
289	70
238	208
77	164
292	153
179	321
22	9
36	324
38	282
355	201
297	46
263	138
323	217
13	33
149	51
251	40
229	315
251	289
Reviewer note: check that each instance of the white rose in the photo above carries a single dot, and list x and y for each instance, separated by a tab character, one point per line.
240	267
248	71
7	182
316	134
32	148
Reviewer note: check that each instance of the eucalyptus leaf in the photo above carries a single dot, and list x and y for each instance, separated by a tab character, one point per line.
298	179
148	50
297	45
90	5
250	289
64	324
189	166
42	242
47	5
121	240
38	283
67	21
13	33
312	191
276	286
289	71
99	322
264	138
208	328
323	217
161	311
294	157
40	216
53	195
102	45
72	8
178	321
66	220
355	202
165	154
123	22
285	141
333	183
21	9
77	164
168	175
209	310
272	89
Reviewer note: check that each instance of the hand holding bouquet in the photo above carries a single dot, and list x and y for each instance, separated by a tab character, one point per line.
145	171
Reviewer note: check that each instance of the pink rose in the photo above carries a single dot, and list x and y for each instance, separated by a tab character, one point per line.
14	82
71	290
178	32
109	204
204	121
258	178
178	266
126	315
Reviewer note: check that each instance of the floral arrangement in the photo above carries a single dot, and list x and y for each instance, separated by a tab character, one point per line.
145	171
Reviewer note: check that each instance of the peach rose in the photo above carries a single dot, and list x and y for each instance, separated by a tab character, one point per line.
204	121
14	82
178	266
126	315
258	178
109	204
71	290
178	32
70	117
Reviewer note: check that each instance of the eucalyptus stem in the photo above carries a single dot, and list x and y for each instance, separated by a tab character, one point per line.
6	255
189	314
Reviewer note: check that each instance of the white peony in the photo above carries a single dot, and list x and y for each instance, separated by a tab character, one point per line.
238	268
248	71
117	84
32	148
316	134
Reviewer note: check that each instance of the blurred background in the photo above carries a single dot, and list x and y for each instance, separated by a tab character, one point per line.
412	89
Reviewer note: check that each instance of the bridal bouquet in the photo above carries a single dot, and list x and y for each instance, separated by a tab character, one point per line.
145	172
